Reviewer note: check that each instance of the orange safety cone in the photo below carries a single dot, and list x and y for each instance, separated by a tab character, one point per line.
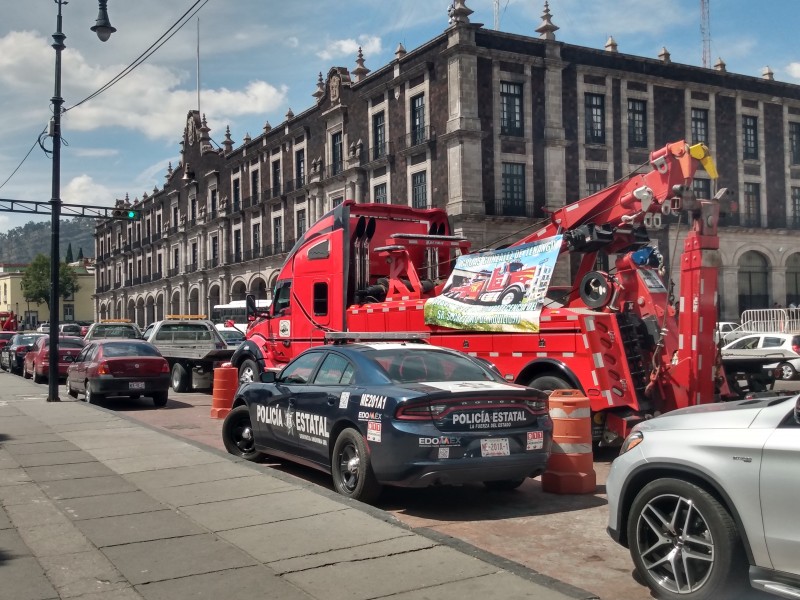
570	468
226	382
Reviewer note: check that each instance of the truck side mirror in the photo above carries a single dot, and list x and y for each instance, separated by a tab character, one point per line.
250	306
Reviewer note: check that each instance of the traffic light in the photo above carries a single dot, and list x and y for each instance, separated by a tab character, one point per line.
127	214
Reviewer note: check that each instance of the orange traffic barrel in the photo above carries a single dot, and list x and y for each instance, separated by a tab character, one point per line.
226	382
570	468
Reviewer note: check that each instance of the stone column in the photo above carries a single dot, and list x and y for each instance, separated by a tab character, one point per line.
778	288
729	293
554	137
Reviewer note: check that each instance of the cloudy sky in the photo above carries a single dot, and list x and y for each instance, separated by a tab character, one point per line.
258	58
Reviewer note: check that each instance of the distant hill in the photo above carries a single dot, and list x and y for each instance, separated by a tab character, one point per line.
22	244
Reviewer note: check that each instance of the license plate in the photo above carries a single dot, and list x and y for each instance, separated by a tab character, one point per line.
136	385
535	440
494	447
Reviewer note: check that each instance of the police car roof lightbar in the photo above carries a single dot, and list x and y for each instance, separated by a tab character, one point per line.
340	337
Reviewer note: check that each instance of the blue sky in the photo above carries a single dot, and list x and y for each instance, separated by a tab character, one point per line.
261	57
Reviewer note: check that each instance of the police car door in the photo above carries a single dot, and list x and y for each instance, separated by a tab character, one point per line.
326	399
275	414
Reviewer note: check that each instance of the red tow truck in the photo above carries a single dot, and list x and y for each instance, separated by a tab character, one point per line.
614	335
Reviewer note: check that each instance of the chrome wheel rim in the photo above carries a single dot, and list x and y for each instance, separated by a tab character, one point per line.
247	375
507	299
787	372
349	463
675	543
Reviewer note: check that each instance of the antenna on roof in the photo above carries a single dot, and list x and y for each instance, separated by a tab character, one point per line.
705	32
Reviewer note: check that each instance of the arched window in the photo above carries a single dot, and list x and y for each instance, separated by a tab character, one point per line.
793	280
753	281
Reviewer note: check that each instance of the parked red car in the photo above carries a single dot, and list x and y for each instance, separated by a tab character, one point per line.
37	361
12	355
5	336
119	367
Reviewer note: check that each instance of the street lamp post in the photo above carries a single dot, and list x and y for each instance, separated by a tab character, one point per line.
104	30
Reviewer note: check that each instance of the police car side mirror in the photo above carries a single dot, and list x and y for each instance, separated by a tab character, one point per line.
268	377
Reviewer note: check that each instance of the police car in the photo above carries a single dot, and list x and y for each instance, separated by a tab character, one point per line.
376	413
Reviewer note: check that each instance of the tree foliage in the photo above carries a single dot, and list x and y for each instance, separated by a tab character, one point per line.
69	259
21	244
36	281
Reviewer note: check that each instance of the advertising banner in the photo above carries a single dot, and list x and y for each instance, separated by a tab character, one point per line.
502	290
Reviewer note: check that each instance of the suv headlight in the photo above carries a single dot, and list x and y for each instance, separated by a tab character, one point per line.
634	439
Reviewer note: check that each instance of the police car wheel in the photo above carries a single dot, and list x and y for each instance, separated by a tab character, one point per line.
351	468
248	371
238	436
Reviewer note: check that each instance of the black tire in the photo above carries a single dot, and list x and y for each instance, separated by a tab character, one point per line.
510	297
160	398
179	378
503	485
711	532
548	383
25	374
238	435
351	468
787	371
70	391
92	397
38	378
248	371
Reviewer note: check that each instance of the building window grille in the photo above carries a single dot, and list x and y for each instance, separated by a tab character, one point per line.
379	194
595	119
511	109
699	126
750	137
419	190
637	124
513	189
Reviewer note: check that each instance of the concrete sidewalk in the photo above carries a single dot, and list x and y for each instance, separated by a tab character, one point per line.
93	505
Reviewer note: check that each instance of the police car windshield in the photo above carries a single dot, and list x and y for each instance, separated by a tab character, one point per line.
419	365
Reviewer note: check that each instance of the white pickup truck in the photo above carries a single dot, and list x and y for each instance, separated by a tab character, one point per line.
193	348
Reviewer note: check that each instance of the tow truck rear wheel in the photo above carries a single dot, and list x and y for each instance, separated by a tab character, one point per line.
179	378
548	383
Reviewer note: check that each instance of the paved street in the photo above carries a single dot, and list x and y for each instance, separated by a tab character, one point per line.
559	536
95	505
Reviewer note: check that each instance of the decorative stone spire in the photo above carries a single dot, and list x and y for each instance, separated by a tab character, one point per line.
611	44
360	71
227	143
169	171
458	13
247	138
547	30
267	127
768	73
664	55
155	189
289	115
720	65
320	91
400	52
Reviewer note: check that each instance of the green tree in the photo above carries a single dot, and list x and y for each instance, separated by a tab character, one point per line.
69	258
80	253
36	281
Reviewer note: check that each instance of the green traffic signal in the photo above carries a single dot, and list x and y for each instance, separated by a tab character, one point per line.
131	214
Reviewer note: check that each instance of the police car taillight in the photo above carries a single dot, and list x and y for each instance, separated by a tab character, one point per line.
420	412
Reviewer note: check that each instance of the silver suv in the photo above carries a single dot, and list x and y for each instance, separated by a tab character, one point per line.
706	496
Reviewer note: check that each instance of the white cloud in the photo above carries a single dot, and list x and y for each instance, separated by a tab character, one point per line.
96	152
292	42
84	190
793	69
370	45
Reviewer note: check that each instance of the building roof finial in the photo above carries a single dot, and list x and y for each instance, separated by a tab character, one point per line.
458	13
360	71
768	73
319	92
720	65
664	55
547	30
400	52
611	44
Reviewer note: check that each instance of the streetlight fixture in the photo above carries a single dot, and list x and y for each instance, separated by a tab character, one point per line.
104	30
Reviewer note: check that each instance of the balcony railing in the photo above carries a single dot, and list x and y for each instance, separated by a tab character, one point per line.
117	285
136	281
746	220
793	222
157	275
173	272
137	244
511	208
147	278
333	169
294	184
156	237
378	152
417	136
212	262
212	214
191	268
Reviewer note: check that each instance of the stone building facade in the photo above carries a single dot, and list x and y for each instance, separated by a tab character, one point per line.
496	128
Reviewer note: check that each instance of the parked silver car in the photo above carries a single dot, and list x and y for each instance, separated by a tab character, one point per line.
707	495
784	348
